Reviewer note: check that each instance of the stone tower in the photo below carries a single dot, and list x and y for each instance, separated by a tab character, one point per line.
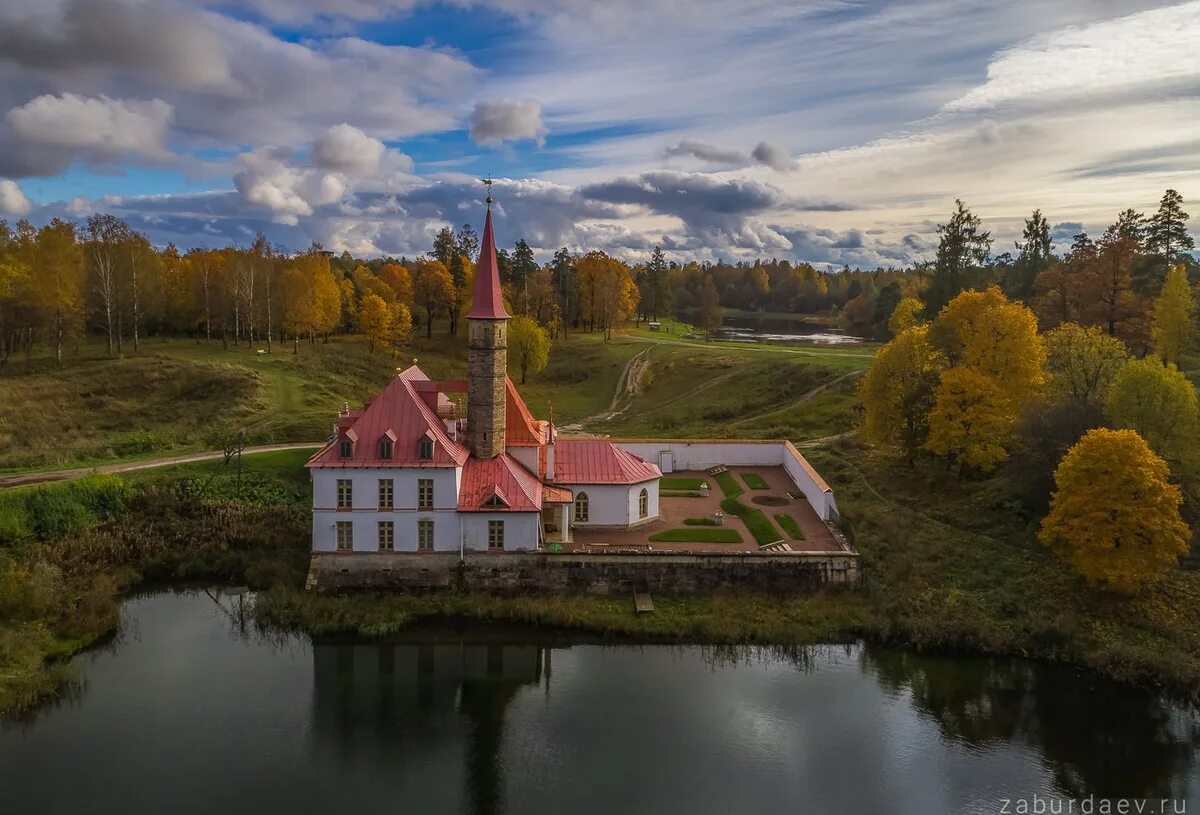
487	352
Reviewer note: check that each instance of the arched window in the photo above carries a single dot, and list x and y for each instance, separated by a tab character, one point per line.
643	504
425	448
385	448
581	508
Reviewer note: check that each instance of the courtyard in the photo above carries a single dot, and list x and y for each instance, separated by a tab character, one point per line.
745	509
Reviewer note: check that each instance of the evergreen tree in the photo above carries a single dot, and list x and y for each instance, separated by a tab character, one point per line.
656	280
1034	257
564	285
524	265
1166	233
962	248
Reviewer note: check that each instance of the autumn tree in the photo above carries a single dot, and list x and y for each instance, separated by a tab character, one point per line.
401	331
1174	325
962	249
1058	287
58	290
398	279
1159	403
709	313
905	315
1114	515
311	298
432	289
971	420
1081	364
986	331
898	390
529	345
374	320
106	234
1107	297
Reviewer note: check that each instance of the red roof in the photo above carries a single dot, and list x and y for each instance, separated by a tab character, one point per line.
400	414
488	301
596	461
501	477
520	428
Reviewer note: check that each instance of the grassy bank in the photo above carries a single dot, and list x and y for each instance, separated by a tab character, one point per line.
69	551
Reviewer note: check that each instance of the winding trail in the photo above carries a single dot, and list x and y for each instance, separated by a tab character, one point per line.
804	398
47	476
627	385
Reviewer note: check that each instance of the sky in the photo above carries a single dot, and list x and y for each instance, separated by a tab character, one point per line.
829	131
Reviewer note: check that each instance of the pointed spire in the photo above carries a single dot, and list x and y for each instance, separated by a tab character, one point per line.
488	301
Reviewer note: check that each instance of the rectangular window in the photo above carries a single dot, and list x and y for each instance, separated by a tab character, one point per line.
387	536
424	493
495	534
385	448
347	447
345	493
386	493
345	536
425	449
425	536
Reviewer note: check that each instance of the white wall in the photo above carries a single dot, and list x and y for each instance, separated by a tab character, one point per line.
365	513
700	455
520	529
528	456
615	505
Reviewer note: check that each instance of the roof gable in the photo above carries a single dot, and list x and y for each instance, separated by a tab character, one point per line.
401	412
503	477
596	461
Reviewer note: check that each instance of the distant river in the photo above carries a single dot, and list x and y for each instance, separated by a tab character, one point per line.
782	330
187	713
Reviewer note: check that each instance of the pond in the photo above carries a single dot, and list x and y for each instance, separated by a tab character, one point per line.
189	711
781	329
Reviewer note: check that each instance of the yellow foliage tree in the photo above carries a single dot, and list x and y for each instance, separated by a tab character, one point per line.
897	392
905	315
433	289
1081	362
986	331
529	344
375	320
972	419
1159	403
402	327
1115	515
1174	327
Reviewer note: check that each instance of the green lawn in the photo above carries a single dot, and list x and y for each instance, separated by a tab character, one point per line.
718	534
729	484
668	482
756	521
788	524
755	481
699	522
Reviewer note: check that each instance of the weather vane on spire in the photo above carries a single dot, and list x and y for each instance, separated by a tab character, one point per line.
487	182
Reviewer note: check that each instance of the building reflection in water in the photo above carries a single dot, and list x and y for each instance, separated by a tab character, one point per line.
433	709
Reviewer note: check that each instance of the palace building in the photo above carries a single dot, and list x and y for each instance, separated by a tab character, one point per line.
414	471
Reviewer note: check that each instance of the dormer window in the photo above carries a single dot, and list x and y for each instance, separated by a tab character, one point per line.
495	501
385	448
425	449
347	448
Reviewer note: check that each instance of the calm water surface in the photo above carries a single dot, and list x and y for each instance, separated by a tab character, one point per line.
781	330
186	713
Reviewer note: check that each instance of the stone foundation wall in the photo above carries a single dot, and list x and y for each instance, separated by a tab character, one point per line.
513	574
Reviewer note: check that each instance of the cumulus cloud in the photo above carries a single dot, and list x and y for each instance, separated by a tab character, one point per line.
48	133
774	157
508	120
12	199
347	149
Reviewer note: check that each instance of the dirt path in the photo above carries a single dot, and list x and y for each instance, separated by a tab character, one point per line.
627	387
24	479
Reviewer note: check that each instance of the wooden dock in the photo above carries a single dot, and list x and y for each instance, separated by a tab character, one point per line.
642	604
